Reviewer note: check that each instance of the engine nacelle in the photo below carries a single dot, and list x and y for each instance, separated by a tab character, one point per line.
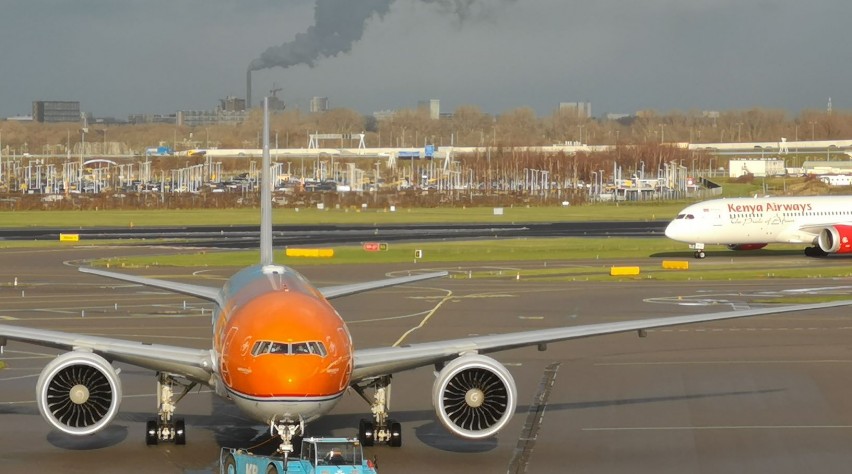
746	246
835	239
474	396
78	393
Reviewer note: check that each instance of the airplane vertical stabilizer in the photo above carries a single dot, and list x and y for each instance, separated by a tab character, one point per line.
265	194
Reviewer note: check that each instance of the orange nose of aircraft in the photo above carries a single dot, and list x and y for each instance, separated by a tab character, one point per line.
286	345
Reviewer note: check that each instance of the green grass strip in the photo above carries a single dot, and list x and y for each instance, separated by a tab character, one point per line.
348	216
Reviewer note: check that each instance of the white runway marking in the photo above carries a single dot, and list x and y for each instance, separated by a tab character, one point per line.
709	428
727	362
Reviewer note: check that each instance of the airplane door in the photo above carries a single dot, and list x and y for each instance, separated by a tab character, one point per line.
715	216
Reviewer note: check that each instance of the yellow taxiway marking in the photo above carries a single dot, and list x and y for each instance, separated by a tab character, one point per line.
447	297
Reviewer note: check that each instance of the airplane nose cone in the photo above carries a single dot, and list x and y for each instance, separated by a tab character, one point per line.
669	230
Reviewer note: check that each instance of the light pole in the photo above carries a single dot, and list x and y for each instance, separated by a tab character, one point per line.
595	181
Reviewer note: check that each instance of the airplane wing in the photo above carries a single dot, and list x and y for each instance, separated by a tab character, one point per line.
815	229
199	291
194	364
376	362
342	290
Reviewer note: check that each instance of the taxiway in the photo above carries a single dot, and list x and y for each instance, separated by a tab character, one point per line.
766	394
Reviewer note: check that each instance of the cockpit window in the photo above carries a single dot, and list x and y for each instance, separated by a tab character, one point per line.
680	216
301	348
690	216
261	347
279	348
317	348
285	348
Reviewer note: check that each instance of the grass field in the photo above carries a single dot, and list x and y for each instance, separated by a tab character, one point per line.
551	259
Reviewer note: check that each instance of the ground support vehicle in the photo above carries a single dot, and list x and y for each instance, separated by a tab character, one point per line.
317	456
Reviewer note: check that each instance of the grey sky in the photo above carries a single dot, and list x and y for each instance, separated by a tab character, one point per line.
157	56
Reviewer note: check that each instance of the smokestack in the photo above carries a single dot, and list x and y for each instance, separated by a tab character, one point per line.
248	88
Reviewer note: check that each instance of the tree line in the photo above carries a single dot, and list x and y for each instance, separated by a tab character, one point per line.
467	126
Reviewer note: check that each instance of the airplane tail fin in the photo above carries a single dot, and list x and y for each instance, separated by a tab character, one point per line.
266	194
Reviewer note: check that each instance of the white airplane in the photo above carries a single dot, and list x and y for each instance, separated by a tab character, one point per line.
285	357
823	222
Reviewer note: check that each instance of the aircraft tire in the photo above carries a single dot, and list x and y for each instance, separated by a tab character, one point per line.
151	433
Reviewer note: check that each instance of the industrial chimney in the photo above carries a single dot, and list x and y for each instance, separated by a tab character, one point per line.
248	88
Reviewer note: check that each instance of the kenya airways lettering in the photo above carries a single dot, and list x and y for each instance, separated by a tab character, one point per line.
768	207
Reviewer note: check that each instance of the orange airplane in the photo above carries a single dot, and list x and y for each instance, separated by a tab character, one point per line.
285	357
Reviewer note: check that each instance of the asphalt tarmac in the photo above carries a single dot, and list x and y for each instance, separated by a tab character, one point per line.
766	394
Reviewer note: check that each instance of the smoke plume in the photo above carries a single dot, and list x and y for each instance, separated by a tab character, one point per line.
340	23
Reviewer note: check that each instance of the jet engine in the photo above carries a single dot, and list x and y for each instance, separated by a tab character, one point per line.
835	239
474	396
746	246
78	393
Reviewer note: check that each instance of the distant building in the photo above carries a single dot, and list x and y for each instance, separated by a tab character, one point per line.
384	114
54	111
756	167
615	117
582	109
827	167
836	180
318	104
138	119
276	104
232	104
195	118
433	106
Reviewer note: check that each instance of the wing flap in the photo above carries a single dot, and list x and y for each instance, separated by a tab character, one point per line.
382	361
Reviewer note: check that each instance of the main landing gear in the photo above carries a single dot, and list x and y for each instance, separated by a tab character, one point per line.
166	427
382	429
814	251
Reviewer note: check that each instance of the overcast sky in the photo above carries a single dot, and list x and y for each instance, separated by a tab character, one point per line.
119	57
